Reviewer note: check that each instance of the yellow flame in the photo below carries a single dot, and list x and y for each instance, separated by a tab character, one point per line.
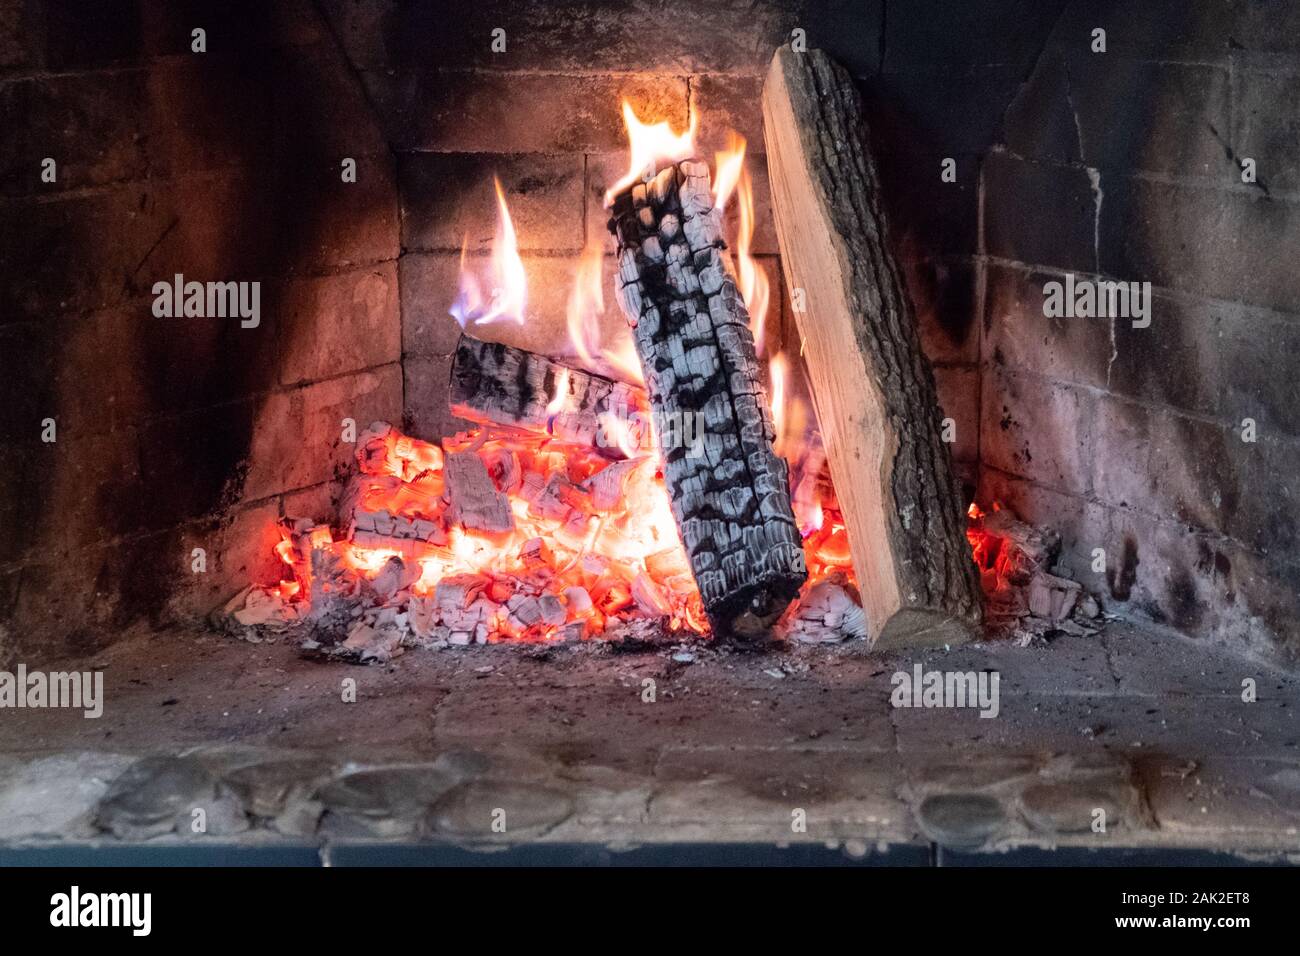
509	296
586	305
727	168
557	403
650	145
778	371
620	430
754	287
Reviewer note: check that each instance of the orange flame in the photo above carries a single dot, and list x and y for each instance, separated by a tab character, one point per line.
651	144
586	305
509	296
778	370
733	176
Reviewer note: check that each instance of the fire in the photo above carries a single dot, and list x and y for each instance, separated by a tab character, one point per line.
586	305
509	281
585	309
651	144
733	176
778	371
590	548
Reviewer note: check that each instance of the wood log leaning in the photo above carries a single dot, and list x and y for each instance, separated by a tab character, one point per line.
872	388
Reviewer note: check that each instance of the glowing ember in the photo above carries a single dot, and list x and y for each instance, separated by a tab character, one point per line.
651	144
590	542
509	282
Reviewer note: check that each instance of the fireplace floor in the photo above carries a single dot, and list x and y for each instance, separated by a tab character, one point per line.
1144	724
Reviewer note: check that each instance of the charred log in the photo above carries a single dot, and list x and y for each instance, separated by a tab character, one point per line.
730	492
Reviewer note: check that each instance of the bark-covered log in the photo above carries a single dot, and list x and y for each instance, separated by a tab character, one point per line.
497	384
872	387
730	492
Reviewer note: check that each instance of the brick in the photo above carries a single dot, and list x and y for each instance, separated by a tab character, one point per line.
88	33
297	435
972	33
1177	361
428	287
724	37
1036	429
235	27
1065	113
338	324
92	251
190	463
326	224
948	112
30	352
240	551
519	112
1039	214
1256	368
319	107
1170	30
448	197
1182	127
319	502
943	291
1221	243
959	398
1265	129
1204	584
1041	121
20	44
1175	468
929	218
88	124
1018	335
1266	512
22	496
724	105
427	414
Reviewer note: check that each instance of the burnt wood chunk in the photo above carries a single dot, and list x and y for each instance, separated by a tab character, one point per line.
473	500
872	387
730	492
497	384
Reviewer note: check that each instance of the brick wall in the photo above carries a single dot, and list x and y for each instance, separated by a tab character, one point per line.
1126	165
544	115
174	434
225	165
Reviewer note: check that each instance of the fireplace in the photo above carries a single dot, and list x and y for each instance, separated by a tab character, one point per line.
661	402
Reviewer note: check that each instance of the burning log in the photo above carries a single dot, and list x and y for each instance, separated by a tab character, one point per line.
873	390
730	492
496	384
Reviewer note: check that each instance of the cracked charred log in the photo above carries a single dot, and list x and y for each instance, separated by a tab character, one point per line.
730	492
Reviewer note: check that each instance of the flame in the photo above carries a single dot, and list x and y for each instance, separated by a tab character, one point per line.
560	399
778	370
754	287
620	430
506	273
728	166
651	144
586	305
